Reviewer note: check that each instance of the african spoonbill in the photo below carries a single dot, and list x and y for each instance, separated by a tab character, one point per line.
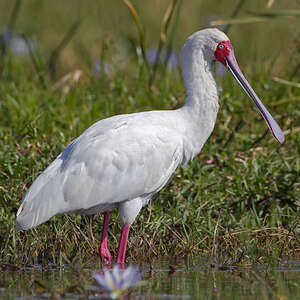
122	161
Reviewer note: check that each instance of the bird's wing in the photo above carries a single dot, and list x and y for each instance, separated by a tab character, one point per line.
114	160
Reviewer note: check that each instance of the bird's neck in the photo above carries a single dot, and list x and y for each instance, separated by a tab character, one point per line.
200	83
201	103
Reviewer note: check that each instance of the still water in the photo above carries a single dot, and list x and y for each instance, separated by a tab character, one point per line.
165	279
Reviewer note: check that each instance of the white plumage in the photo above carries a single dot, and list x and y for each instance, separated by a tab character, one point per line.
120	162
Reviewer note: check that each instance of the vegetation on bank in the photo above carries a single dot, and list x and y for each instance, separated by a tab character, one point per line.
238	199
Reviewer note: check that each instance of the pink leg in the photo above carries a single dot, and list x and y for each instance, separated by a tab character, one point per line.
123	244
103	250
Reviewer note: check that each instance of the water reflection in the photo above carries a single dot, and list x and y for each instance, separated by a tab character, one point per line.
165	279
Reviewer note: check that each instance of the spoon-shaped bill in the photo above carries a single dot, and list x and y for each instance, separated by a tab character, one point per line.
238	75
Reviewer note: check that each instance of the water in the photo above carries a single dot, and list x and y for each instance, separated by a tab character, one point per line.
165	279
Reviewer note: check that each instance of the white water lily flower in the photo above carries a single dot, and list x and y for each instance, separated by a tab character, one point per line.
117	281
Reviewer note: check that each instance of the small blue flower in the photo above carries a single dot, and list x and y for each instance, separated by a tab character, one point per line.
151	56
172	59
6	35
99	68
117	281
15	43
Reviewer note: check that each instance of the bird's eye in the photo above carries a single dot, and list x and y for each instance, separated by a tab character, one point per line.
221	46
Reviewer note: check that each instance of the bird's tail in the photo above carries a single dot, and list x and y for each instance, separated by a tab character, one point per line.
40	202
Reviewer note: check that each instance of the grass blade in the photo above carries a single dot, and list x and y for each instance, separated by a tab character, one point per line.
139	28
261	16
270	3
277	13
241	20
234	14
163	36
11	25
174	30
56	52
295	71
286	82
36	60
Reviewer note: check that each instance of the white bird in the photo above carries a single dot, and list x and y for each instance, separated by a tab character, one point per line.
122	161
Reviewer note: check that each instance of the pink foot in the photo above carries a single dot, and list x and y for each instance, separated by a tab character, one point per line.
104	253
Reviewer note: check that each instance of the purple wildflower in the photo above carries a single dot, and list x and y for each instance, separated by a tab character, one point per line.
172	59
15	43
99	68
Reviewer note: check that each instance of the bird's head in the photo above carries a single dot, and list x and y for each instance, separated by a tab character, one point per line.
214	45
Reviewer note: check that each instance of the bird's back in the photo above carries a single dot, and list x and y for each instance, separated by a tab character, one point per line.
116	159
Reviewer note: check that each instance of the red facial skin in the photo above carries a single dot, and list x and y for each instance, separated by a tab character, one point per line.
222	51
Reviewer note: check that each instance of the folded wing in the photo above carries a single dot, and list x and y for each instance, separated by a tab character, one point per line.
116	159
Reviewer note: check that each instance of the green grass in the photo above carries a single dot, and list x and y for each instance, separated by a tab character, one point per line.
236	202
